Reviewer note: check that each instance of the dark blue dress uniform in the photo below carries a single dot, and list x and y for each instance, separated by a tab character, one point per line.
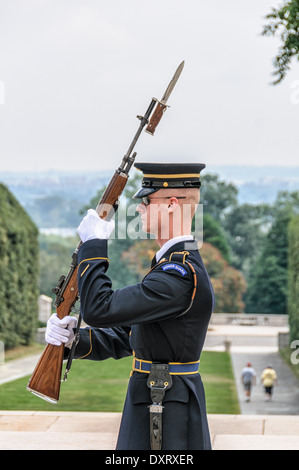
148	319
163	319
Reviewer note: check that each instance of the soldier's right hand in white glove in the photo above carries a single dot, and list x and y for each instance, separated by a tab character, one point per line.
60	331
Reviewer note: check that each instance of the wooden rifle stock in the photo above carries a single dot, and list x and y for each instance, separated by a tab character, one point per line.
45	380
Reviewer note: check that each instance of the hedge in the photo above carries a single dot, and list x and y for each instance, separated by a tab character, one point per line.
18	272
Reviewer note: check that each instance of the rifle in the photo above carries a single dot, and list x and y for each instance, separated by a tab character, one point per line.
46	377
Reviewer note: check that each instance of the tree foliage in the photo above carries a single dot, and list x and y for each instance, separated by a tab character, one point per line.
293	278
213	234
284	21
267	285
217	196
245	226
18	272
228	283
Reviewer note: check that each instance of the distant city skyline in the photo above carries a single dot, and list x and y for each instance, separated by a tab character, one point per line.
73	77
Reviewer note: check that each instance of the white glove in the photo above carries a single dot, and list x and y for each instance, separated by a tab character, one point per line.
60	331
92	226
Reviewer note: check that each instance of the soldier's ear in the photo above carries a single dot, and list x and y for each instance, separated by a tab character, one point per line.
173	204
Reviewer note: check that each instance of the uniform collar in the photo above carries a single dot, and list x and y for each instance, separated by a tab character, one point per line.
169	244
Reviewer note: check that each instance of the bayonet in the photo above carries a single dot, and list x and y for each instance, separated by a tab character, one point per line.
161	104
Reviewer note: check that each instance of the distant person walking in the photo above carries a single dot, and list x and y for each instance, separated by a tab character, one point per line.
269	378
248	379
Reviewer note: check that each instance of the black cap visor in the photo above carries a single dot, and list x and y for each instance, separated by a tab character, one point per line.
142	192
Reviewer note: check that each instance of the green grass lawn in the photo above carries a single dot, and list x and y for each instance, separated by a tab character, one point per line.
101	386
218	379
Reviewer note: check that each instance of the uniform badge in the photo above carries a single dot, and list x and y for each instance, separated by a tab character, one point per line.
177	267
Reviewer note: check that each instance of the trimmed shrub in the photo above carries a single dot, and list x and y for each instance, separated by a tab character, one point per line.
18	272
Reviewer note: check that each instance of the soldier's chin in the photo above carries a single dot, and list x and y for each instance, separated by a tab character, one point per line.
145	228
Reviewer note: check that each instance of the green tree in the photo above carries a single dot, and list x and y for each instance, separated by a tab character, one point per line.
217	196
228	283
246	226
213	234
284	21
267	287
293	278
267	284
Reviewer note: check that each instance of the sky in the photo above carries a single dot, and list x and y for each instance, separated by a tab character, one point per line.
75	74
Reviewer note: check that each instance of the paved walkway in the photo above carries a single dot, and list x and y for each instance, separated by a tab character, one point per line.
285	400
259	346
261	426
13	370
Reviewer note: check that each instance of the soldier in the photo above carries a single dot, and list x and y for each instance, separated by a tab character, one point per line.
162	321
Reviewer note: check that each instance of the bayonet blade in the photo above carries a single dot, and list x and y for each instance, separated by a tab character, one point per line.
172	82
161	105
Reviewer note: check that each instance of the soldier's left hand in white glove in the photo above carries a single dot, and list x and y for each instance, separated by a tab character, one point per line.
92	226
60	331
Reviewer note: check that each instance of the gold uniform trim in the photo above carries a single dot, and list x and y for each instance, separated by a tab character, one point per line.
185	253
182	175
85	270
90	341
91	259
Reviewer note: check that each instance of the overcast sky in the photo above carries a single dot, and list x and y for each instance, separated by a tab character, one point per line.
74	75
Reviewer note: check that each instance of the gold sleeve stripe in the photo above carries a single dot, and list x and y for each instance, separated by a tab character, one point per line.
90	346
85	270
91	259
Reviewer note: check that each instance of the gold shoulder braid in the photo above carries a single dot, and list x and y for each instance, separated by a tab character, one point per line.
180	257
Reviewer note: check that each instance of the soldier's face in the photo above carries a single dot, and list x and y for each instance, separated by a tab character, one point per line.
154	216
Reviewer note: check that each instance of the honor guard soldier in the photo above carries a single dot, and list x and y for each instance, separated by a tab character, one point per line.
161	321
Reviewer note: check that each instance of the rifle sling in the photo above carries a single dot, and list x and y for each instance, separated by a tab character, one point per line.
72	351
